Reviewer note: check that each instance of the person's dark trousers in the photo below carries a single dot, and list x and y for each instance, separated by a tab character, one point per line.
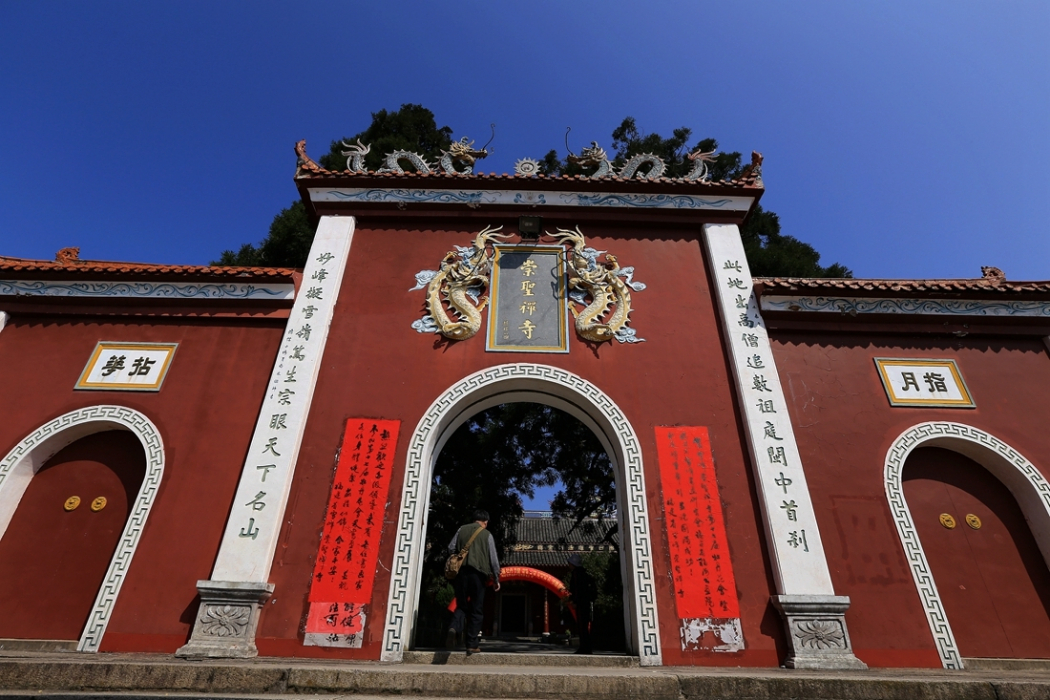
470	604
583	620
456	625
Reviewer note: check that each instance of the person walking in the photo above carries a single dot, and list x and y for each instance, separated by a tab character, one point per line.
482	564
582	593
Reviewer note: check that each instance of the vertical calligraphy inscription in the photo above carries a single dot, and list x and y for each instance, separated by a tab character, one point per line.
344	574
702	574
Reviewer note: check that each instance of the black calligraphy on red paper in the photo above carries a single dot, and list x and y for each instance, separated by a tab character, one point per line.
704	586
344	573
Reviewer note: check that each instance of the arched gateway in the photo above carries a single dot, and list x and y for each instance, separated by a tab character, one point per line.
559	389
746	419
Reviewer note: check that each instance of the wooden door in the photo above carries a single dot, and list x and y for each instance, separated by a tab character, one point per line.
991	575
53	560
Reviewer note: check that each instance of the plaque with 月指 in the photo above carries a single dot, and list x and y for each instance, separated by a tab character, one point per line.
528	310
704	586
344	573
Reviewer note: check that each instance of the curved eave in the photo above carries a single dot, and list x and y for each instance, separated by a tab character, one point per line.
326	193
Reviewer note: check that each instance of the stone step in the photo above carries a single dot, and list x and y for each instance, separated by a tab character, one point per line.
64	676
974	664
485	658
74	695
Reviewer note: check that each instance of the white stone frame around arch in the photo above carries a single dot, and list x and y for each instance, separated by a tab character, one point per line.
28	456
1028	486
563	390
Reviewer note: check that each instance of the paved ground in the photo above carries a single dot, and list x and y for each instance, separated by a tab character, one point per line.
69	676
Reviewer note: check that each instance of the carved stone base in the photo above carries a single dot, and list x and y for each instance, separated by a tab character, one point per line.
816	631
227	620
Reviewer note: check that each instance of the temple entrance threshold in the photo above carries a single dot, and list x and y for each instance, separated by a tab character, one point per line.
510	384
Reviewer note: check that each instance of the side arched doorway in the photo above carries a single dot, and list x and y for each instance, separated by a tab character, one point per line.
993	581
972	473
59	543
64	453
512	383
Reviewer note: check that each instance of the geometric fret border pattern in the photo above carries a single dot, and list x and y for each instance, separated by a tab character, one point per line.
145	290
1028	486
532	198
29	455
931	307
498	385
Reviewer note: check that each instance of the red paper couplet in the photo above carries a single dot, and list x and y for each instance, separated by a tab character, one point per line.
346	561
696	533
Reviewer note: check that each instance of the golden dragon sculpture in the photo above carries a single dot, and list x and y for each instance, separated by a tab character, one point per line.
606	283
454	302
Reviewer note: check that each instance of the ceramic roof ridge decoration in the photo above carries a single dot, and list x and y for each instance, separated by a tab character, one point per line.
993	280
461	153
700	159
594	156
70	262
68	255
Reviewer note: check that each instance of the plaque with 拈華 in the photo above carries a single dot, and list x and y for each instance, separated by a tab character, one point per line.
528	310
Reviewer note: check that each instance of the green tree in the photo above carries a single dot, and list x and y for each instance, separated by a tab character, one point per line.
770	253
287	244
411	128
506	452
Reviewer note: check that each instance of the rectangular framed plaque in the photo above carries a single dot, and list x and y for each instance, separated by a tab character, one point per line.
116	366
929	383
528	310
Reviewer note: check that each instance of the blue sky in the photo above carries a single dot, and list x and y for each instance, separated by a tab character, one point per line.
901	139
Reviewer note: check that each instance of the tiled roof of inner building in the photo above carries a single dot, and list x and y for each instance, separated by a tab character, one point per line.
557	530
867	287
83	268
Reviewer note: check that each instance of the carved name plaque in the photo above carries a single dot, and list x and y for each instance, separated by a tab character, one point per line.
705	589
528	312
127	366
930	383
341	589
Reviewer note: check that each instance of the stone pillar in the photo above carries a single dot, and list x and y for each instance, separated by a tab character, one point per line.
231	600
814	616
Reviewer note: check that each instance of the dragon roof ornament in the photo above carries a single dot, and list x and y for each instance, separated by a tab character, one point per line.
461	157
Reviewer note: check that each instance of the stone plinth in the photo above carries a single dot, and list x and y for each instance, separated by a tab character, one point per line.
226	620
816	631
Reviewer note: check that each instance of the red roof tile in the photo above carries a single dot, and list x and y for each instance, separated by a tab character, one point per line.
69	264
994	282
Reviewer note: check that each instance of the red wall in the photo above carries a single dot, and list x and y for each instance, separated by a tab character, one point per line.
845	426
205	413
377	366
